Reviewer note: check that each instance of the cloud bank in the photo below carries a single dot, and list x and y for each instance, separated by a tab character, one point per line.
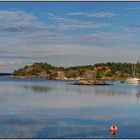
71	38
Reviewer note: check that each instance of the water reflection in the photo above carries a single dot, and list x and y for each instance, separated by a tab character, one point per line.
61	94
138	95
113	90
36	88
67	111
14	126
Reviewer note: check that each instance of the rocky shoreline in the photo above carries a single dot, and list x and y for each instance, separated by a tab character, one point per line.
87	82
77	78
78	81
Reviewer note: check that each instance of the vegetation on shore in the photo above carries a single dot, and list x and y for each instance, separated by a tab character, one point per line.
109	70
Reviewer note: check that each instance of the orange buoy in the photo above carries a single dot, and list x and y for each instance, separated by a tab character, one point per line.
113	129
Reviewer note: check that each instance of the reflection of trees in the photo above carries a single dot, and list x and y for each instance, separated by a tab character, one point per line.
138	95
122	91
37	88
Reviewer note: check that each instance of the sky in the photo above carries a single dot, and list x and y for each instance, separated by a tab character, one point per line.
68	33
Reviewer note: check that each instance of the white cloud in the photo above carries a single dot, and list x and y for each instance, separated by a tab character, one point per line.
17	21
80	25
102	15
77	13
133	26
105	37
94	14
14	16
4	62
61	19
20	21
134	8
63	23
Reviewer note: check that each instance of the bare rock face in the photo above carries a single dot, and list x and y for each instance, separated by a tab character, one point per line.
60	76
89	75
44	75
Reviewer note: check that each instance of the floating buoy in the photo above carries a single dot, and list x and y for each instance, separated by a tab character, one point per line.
113	129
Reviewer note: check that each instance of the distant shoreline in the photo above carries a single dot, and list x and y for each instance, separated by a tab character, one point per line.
5	74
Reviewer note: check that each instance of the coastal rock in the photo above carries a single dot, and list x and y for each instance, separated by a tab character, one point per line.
91	82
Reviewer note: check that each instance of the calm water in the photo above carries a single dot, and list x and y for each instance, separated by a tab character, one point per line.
38	108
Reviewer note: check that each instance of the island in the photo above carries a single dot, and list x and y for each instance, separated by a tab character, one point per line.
86	74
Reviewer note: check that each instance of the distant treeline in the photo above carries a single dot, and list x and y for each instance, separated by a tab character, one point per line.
100	70
5	74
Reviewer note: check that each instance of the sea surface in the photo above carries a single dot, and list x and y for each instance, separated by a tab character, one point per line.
40	108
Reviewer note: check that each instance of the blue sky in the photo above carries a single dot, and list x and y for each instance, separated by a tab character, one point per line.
68	33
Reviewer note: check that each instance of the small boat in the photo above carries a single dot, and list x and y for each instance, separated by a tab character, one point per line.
133	80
